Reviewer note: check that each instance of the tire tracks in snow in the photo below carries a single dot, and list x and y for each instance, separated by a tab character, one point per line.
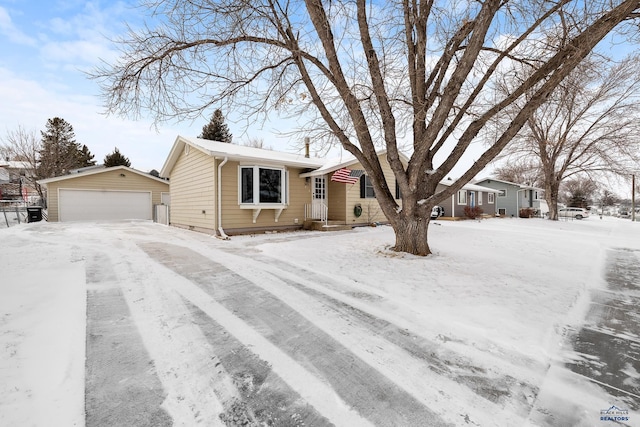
303	345
122	387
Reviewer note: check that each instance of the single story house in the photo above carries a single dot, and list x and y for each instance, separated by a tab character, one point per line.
114	193
512	196
224	188
227	188
470	195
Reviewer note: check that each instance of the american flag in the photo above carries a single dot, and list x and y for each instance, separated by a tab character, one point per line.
347	176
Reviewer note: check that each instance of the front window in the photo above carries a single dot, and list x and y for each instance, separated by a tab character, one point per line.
462	197
366	188
261	185
491	198
246	178
270	185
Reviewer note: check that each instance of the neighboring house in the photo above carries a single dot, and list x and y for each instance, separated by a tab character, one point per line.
470	195
512	197
14	182
228	188
115	193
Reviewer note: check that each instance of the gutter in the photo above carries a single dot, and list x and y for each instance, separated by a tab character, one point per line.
223	235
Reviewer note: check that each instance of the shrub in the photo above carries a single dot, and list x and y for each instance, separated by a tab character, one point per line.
473	212
526	213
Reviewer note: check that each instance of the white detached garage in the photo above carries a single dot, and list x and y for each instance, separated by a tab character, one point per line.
107	194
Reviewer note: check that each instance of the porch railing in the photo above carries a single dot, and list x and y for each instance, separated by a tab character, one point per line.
316	211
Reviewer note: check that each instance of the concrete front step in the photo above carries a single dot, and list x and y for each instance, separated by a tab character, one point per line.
329	226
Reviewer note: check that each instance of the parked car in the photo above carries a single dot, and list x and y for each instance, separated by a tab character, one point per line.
437	212
577	213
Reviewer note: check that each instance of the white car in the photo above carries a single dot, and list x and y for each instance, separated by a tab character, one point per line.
577	213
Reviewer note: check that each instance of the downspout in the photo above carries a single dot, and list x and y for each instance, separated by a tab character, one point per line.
223	236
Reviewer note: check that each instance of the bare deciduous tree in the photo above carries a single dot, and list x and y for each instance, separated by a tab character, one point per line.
369	74
588	127
24	145
524	171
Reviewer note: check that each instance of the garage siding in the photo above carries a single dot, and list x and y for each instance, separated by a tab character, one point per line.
107	180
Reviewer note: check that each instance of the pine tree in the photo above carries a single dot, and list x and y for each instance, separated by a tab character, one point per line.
60	152
216	129
85	157
116	159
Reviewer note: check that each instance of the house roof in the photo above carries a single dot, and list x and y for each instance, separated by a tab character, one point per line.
472	187
342	161
236	152
12	164
99	171
521	186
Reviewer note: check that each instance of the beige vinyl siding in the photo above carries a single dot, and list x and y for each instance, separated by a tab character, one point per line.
108	180
193	190
371	211
236	218
336	195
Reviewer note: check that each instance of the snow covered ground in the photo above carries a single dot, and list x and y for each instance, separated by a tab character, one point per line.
475	334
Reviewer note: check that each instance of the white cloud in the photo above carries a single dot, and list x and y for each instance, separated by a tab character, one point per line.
8	29
31	103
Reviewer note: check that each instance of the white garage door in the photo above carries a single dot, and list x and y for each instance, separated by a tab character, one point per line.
92	205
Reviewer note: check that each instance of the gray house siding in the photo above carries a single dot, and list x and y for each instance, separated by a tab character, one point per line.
454	206
512	197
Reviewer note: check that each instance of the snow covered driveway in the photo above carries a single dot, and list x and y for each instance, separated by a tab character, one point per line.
299	328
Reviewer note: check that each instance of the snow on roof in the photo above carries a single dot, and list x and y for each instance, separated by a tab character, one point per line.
522	186
472	187
342	161
97	171
11	164
237	152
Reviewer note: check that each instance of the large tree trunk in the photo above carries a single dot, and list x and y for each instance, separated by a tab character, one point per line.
411	235
551	196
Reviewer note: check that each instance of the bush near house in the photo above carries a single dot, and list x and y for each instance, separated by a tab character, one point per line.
473	212
527	213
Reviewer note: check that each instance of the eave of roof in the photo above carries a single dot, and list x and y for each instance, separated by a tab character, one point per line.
472	187
99	171
236	152
521	186
343	162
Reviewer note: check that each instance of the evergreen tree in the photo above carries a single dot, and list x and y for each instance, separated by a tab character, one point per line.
60	152
216	129
116	159
85	157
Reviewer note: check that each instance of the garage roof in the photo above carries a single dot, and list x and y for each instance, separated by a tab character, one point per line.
99	171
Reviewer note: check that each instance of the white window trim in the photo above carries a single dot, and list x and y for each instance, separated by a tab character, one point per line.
503	192
256	188
491	198
462	197
479	198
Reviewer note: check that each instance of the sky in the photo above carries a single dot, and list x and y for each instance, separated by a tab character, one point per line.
47	49
479	314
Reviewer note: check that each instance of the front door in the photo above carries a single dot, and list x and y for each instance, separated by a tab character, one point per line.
319	198
472	199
